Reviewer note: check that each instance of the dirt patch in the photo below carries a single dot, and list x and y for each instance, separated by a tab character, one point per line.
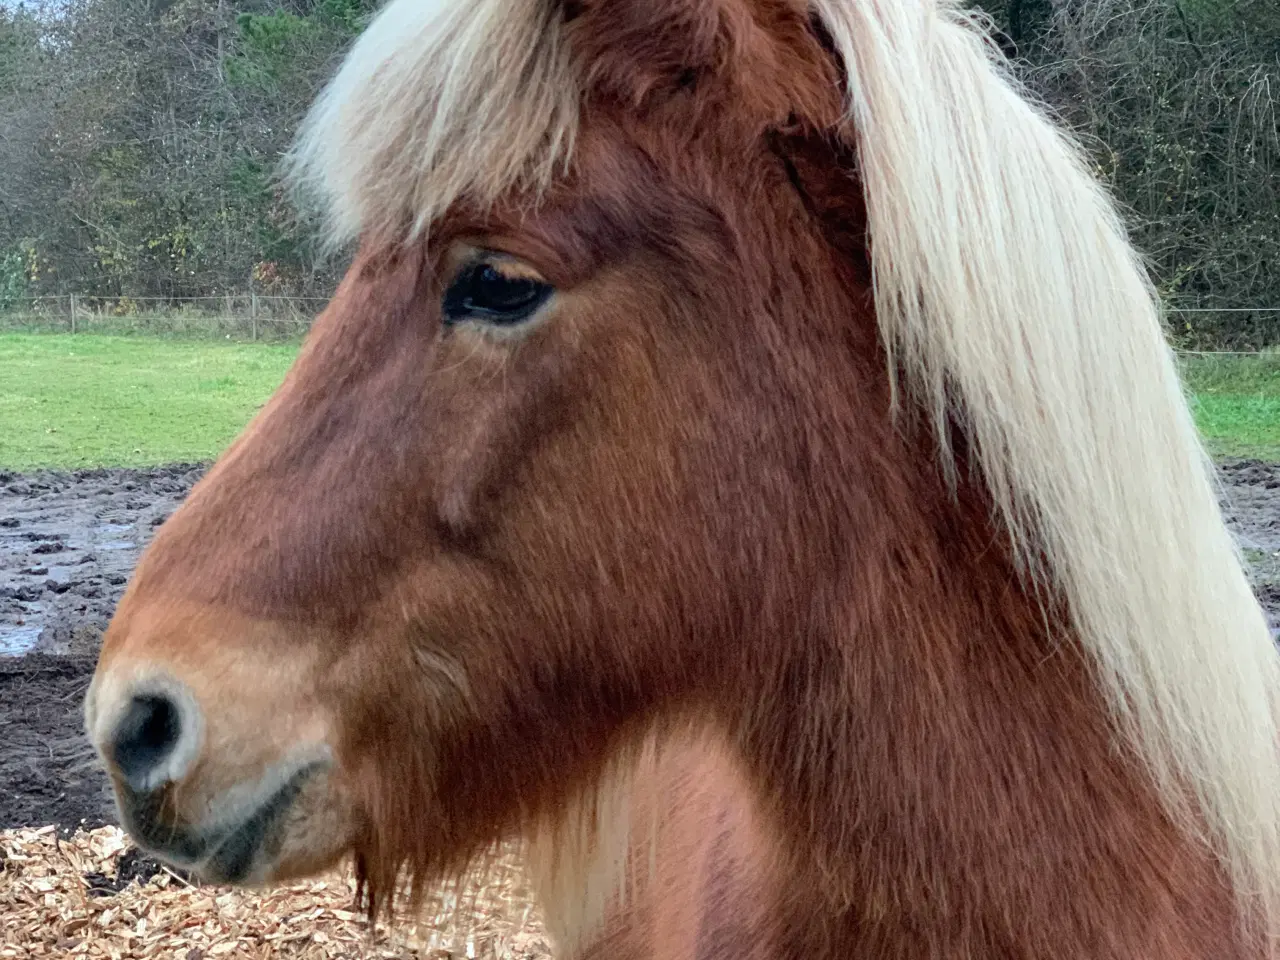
1252	502
48	773
132	866
69	541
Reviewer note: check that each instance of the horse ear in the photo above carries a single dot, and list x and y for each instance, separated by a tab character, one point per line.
761	55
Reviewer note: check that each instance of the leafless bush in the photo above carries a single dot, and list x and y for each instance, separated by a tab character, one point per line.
1179	100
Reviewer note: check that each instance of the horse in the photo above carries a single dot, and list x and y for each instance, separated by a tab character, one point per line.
745	462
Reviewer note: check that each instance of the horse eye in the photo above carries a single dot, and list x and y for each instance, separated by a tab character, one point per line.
483	293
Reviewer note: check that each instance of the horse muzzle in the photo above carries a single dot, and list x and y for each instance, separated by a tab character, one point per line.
215	796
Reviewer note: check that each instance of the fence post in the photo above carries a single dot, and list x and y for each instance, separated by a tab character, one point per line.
73	313
253	312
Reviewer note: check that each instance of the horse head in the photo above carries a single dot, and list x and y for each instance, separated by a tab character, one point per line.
757	369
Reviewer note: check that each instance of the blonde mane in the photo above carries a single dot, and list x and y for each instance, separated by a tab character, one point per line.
1011	299
438	101
1008	290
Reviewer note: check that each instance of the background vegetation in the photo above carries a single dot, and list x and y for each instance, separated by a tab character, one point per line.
139	138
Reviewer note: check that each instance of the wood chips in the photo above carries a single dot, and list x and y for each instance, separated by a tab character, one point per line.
72	898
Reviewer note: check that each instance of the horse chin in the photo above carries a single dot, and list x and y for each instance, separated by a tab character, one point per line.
303	848
292	823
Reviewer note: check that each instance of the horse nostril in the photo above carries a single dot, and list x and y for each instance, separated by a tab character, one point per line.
145	738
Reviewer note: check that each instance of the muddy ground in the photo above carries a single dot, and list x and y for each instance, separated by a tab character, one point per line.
69	541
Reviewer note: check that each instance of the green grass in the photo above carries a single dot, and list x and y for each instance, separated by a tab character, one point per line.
95	400
1237	403
89	400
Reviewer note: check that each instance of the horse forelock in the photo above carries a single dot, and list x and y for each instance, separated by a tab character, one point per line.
1007	294
438	101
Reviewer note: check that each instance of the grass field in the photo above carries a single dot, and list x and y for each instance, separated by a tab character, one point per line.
93	400
88	400
1237	403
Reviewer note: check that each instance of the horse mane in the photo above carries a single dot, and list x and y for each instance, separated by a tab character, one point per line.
437	100
1007	287
1012	304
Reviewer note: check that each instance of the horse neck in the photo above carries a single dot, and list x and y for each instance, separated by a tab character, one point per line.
931	750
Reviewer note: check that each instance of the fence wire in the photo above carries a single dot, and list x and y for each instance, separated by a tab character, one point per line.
250	313
259	314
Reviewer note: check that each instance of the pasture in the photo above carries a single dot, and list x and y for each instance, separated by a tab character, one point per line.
1237	403
70	402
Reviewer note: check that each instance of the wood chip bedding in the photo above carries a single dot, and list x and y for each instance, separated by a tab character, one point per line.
84	896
